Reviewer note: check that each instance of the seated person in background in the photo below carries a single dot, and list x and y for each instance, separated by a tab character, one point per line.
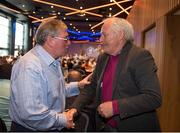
85	121
74	75
4	102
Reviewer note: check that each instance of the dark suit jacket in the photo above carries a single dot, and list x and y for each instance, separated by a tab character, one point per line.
135	86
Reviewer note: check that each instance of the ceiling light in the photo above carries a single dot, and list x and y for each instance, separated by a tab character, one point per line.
113	16
59	13
90	25
120	7
34	18
82	13
70	24
40	20
81	7
52	6
86	19
53	13
9	9
64	18
110	8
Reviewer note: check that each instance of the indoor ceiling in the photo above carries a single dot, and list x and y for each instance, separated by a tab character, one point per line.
79	15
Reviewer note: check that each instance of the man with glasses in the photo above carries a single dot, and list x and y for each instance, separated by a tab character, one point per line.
38	90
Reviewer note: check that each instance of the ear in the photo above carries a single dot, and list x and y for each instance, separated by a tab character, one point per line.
50	41
121	34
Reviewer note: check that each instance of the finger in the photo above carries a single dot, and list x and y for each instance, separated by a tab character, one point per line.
89	75
100	111
73	125
88	82
70	116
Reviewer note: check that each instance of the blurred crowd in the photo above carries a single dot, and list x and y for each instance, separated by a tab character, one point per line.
83	63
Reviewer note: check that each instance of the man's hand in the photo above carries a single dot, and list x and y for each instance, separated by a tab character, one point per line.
72	112
84	81
69	116
106	109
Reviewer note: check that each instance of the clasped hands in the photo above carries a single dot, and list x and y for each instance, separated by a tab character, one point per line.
69	117
104	109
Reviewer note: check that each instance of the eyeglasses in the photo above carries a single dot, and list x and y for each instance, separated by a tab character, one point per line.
60	38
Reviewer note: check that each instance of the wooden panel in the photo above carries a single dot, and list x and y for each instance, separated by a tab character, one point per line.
165	50
147	12
150	41
172	75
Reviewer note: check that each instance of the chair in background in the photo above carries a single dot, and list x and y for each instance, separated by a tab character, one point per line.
82	123
4	102
5	71
2	126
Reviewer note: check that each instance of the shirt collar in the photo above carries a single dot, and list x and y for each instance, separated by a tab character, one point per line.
45	56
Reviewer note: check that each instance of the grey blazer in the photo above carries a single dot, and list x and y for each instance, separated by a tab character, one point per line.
135	86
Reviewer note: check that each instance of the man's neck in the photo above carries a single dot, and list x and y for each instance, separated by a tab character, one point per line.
49	50
119	48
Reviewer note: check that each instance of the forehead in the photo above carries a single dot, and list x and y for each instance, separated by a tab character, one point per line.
63	31
106	26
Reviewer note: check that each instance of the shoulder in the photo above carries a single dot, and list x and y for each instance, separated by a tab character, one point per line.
138	52
102	57
29	60
142	59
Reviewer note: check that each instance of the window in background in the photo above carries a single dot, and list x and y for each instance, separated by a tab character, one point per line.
4	35
20	38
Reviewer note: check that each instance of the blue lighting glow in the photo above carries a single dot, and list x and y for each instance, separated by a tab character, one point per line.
82	36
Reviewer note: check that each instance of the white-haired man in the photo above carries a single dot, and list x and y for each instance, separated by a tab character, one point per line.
124	82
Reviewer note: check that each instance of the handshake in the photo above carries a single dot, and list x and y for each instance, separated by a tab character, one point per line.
70	113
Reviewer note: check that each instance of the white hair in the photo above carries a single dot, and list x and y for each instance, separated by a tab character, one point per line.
119	24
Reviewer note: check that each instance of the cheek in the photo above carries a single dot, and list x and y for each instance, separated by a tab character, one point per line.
59	48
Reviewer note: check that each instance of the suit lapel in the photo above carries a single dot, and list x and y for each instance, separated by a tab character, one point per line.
120	65
99	85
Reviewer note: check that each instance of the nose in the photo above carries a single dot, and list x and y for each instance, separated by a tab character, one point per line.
68	43
101	39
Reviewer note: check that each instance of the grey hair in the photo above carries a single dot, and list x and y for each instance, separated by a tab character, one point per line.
119	24
51	27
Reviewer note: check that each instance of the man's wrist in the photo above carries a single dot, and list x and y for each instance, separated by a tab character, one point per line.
79	85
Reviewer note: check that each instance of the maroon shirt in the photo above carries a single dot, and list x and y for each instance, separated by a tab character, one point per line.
107	85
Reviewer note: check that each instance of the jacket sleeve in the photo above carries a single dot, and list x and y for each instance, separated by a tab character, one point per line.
146	80
88	93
